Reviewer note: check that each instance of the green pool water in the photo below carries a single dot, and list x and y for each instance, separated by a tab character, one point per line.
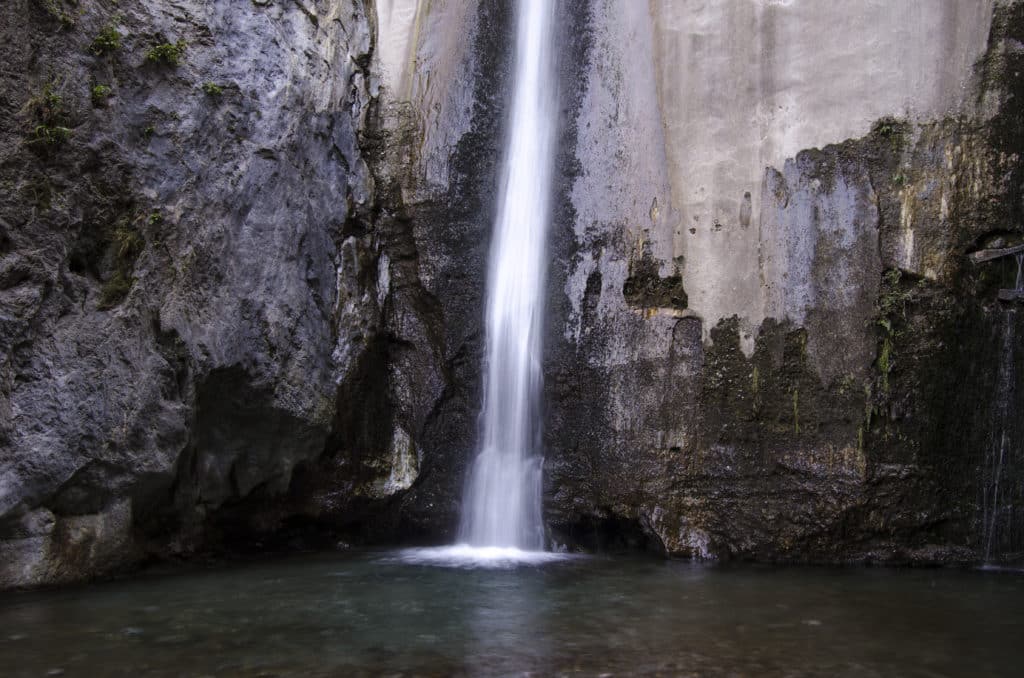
395	613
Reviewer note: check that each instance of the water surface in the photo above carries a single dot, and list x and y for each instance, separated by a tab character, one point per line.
370	613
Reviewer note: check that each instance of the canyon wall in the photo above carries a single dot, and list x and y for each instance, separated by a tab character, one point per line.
184	292
765	338
243	252
772	344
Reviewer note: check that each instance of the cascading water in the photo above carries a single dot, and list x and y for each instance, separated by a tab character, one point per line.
502	503
501	513
1001	498
998	501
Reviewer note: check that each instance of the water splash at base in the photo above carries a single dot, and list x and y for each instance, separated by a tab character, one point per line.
484	557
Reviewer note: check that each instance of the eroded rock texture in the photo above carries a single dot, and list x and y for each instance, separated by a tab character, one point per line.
184	294
828	390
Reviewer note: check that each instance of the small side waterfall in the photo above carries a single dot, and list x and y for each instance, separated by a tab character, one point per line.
999	498
1002	497
502	503
994	505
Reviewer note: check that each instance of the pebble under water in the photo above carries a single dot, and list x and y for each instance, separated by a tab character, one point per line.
371	613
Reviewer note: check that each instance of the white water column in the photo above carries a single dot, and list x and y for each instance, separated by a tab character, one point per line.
502	503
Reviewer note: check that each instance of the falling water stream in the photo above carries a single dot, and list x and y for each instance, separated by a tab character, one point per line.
502	504
1000	499
501	512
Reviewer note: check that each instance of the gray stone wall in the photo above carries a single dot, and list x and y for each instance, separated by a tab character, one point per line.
181	296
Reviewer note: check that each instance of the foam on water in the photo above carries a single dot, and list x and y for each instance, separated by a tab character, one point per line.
467	556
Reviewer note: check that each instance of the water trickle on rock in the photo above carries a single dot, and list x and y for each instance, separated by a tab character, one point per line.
1000	508
502	503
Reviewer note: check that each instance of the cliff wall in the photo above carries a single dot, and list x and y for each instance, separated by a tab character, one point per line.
243	251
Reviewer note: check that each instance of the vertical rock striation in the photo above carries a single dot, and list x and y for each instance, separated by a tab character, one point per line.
768	300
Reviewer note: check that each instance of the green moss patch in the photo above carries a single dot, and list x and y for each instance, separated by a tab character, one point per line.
100	94
107	41
168	54
49	118
126	244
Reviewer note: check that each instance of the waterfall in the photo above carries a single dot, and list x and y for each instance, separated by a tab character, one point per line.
502	502
995	456
1001	508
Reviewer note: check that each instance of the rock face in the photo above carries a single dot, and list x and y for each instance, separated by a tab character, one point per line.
809	393
765	338
243	249
184	288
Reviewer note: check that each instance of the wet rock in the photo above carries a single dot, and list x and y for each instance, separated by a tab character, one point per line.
800	404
